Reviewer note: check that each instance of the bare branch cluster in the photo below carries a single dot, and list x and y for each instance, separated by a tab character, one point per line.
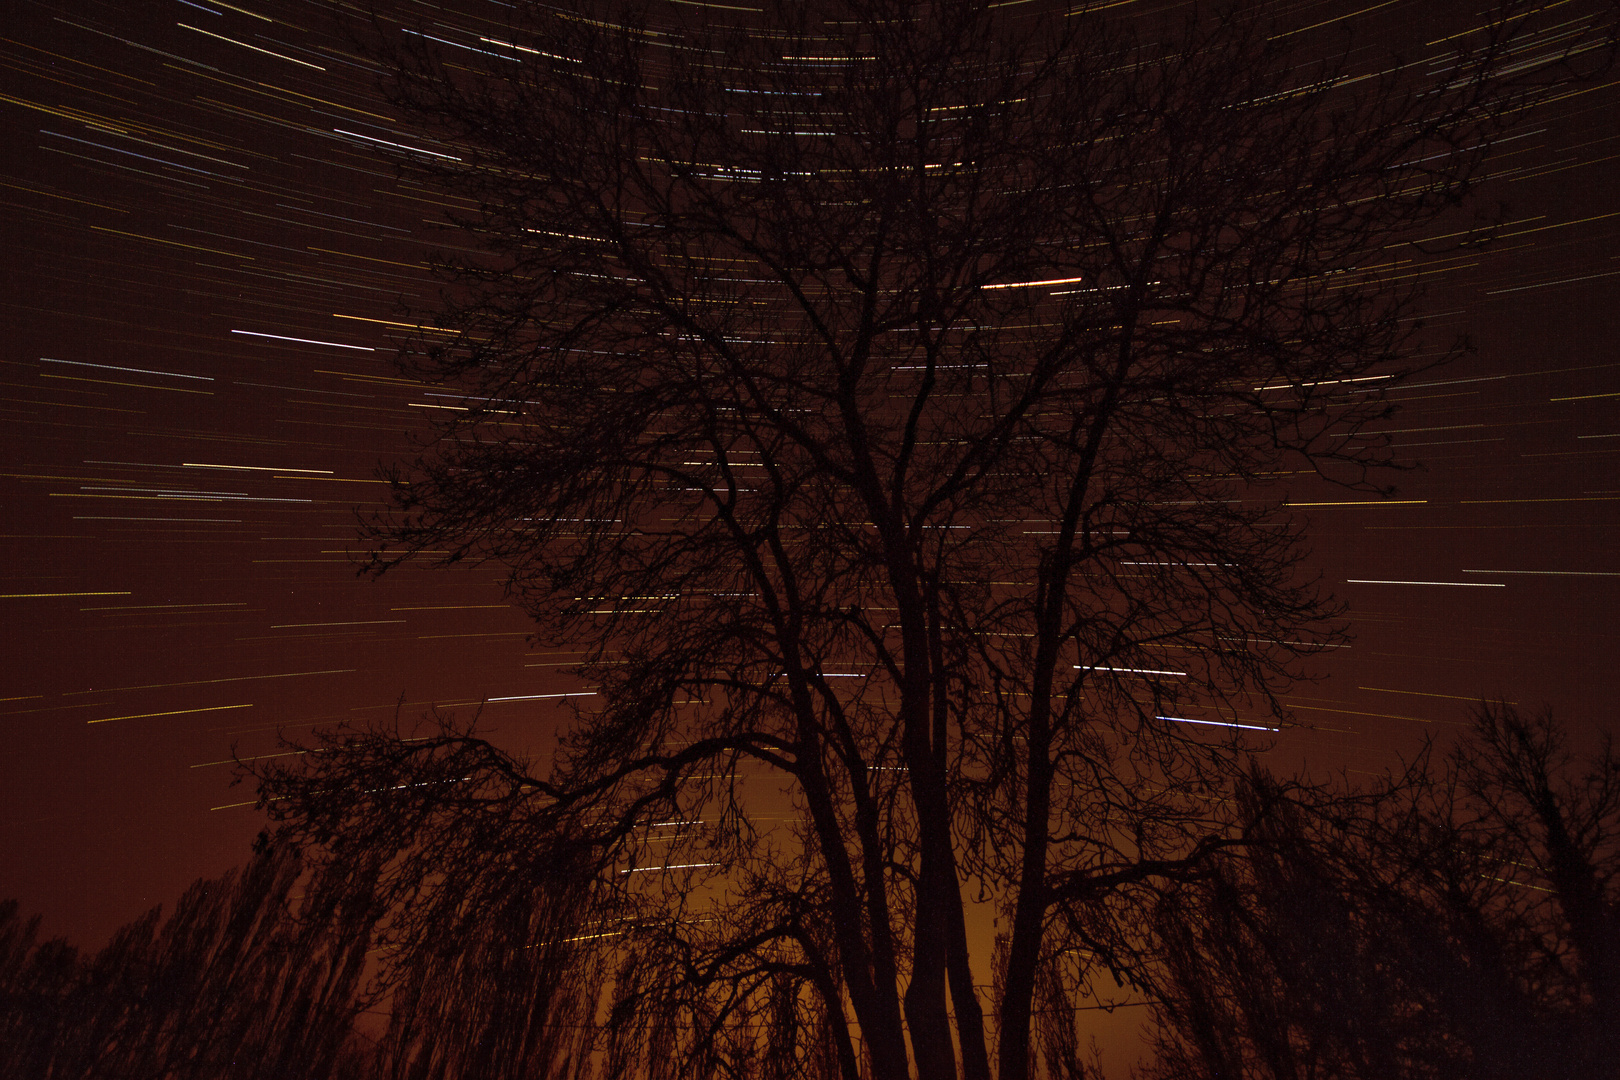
891	400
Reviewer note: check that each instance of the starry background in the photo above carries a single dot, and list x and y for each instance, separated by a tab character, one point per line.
208	265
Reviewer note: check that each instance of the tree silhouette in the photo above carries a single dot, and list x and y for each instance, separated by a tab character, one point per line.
1551	820
887	400
1454	924
230	984
35	979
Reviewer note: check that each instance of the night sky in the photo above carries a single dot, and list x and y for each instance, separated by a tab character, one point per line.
208	265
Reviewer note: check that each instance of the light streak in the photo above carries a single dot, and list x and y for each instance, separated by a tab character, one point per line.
1029	284
395	145
257	468
131	153
211	682
136	370
1553	573
160	607
1420	693
542	697
305	341
255	48
1127	670
1362	502
171	712
1464	584
255	757
360	622
1218	723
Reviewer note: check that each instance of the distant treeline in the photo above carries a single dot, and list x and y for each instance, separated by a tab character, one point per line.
1460	920
232	984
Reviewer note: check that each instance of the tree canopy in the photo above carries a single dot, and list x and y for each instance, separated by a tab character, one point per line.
890	401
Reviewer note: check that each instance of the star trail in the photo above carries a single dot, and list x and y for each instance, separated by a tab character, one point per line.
211	263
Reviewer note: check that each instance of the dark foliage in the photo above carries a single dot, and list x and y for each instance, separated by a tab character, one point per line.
1459	924
230	984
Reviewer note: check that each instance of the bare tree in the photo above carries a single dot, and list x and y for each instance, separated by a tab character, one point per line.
886	398
1350	941
1454	923
1552	820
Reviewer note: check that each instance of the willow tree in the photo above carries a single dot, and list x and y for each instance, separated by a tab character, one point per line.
1462	922
255	974
887	399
